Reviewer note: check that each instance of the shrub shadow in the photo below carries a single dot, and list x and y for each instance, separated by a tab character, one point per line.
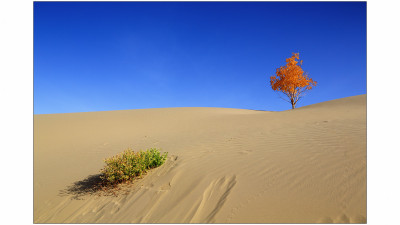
91	185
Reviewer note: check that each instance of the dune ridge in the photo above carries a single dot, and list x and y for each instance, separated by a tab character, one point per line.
306	165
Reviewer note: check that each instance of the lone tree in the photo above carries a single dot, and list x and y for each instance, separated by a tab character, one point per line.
292	80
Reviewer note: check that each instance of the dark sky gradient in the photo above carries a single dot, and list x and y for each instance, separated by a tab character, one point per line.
132	55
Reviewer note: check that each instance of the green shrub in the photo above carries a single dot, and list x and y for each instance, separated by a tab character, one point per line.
130	164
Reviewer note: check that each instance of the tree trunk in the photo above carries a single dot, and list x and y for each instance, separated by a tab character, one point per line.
293	104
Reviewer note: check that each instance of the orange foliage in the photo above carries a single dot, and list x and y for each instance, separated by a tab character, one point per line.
292	80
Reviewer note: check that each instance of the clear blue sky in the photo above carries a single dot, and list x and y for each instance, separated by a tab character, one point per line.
132	55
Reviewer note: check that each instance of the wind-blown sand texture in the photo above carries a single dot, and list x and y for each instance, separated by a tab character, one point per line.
306	165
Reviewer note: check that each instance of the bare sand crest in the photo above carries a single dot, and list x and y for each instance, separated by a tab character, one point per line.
306	165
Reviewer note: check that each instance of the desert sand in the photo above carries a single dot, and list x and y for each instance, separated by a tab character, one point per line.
306	165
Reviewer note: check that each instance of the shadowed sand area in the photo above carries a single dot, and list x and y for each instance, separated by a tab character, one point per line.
306	165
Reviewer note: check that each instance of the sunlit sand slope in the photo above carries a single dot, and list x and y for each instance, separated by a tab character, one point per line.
306	165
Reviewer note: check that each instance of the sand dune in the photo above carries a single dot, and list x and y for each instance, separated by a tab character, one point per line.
306	165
